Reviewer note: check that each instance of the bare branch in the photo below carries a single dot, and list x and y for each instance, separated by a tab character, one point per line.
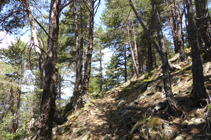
43	29
27	8
65	6
38	10
98	5
12	14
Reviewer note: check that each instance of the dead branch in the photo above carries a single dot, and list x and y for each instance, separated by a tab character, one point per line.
43	29
65	6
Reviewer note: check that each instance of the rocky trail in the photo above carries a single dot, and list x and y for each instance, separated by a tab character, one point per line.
137	110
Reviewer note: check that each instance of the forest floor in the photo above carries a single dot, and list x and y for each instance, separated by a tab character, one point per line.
137	110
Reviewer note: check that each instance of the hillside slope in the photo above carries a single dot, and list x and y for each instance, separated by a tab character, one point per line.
137	110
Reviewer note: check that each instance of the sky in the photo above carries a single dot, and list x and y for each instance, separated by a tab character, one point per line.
5	40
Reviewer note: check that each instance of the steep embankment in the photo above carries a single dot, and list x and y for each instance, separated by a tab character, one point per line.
137	110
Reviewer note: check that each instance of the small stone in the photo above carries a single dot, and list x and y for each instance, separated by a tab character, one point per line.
132	105
207	67
54	130
175	93
168	131
107	137
179	138
121	103
176	56
176	67
196	121
159	106
184	124
60	130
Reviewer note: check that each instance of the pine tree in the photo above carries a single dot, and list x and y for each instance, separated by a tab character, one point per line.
199	92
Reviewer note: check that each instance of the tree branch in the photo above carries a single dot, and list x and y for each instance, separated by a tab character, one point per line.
65	6
98	5
11	14
43	29
87	6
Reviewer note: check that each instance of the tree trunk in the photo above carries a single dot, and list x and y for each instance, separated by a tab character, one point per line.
36	44
50	90
149	37
132	50
125	55
135	49
84	94
179	35
11	103
150	57
173	29
16	122
173	105
78	66
199	92
60	88
81	45
204	26
101	72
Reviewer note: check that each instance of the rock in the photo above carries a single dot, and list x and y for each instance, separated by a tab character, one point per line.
86	122
176	79
54	131
107	137
192	115
60	130
74	131
160	106
184	124
207	67
141	97
125	112
176	56
196	121
151	88
154	135
78	112
86	136
132	105
168	132
71	117
135	127
121	103
179	138
176	67
144	132
175	94
208	87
